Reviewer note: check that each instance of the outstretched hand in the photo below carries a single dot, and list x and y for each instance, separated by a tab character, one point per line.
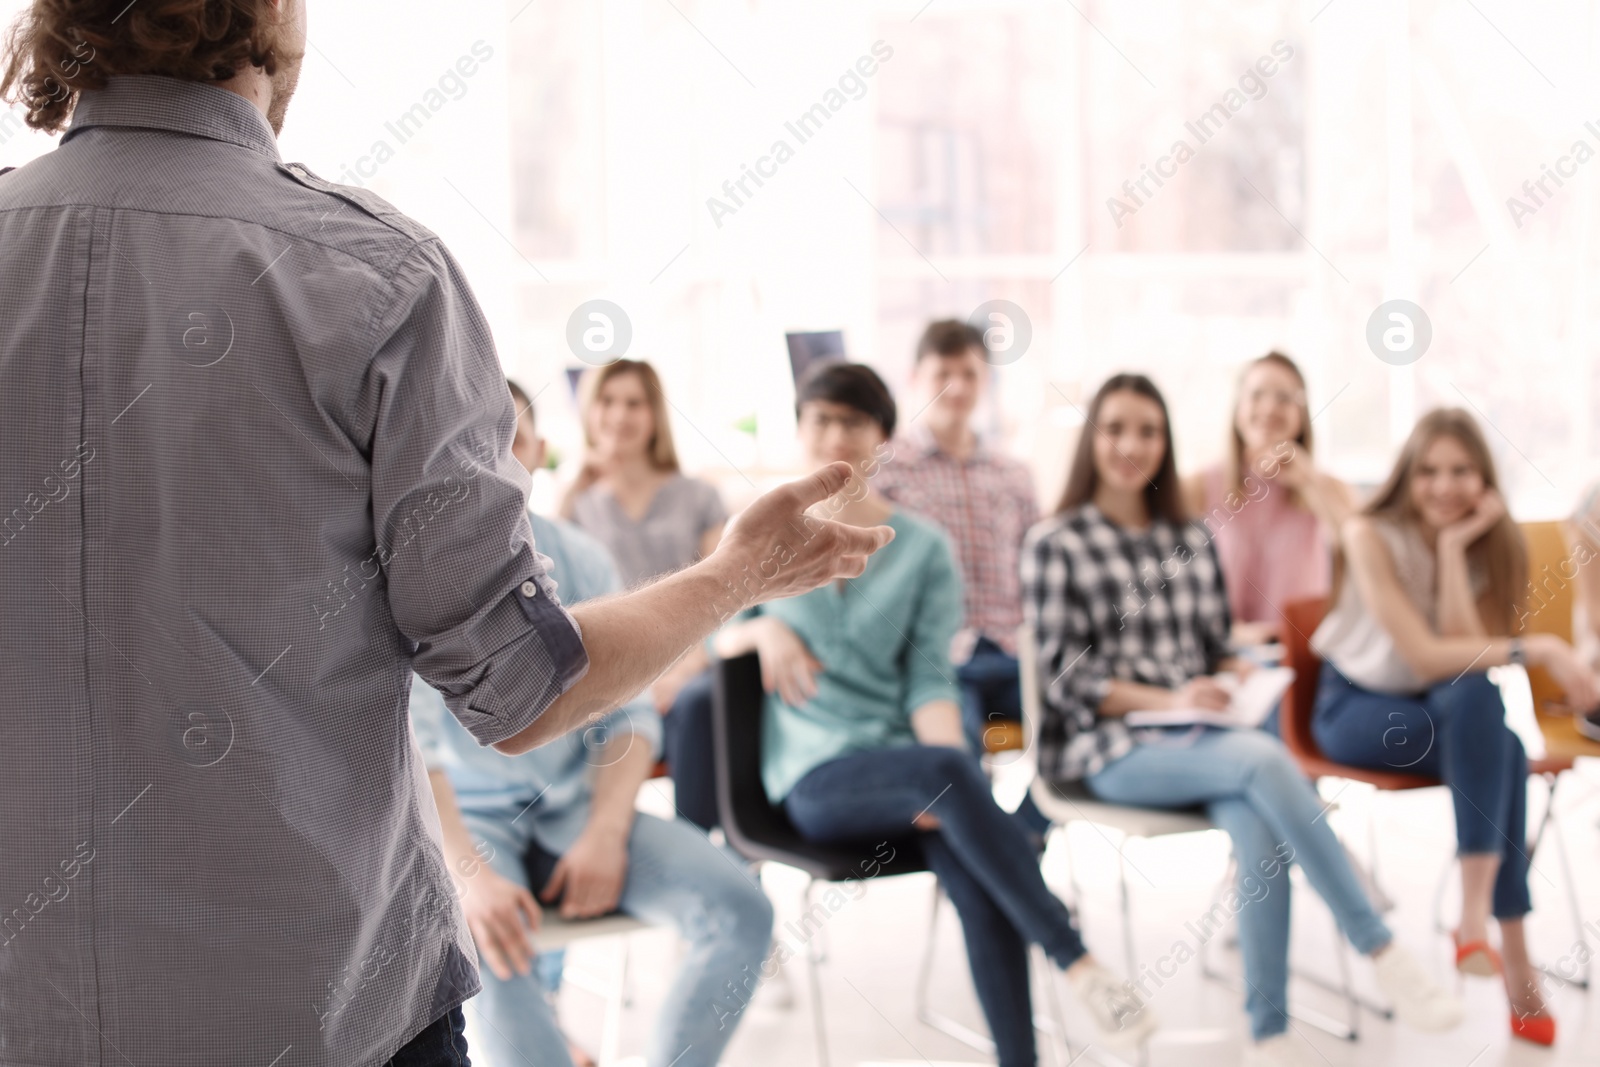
786	543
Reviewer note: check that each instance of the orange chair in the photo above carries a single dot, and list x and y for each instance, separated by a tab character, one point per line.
1301	618
1550	603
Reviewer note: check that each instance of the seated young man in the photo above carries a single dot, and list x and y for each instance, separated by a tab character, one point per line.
560	820
943	469
862	740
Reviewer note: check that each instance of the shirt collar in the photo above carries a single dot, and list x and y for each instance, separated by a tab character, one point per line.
923	442
155	102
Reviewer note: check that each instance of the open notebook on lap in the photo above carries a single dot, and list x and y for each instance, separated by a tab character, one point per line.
1253	700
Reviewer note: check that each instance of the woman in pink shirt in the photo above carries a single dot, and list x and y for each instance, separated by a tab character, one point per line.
1271	511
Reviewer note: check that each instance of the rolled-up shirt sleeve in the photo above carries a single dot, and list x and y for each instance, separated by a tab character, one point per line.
464	581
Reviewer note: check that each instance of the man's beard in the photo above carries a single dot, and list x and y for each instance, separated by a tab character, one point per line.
283	85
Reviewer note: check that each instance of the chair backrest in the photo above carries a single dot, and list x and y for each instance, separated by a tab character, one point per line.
1301	619
754	826
1550	600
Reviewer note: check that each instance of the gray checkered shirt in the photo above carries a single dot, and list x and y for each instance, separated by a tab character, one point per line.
256	470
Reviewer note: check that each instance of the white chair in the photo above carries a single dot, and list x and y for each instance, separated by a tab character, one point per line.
557	933
1067	802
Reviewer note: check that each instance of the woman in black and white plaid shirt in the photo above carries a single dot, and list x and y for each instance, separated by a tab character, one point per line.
1126	601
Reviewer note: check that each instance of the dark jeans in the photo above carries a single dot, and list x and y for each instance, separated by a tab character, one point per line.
687	739
1455	731
990	692
442	1043
979	853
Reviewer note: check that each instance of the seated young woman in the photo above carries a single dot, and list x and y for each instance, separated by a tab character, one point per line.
1273	513
1126	600
862	736
1428	591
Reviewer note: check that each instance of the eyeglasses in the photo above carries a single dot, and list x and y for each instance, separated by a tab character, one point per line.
853	423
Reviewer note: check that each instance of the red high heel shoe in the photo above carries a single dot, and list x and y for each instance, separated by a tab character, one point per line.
1538	1029
1477	957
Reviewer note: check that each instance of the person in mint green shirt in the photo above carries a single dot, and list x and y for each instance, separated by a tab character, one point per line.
862	735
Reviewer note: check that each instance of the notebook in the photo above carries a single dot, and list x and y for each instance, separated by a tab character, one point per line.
1253	701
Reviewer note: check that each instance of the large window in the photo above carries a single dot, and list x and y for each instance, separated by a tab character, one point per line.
1335	154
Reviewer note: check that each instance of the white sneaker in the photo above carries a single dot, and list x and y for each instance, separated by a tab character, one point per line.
1418	1001
1279	1050
1121	1014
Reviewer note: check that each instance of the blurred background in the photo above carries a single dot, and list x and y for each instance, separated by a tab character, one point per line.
980	160
940	154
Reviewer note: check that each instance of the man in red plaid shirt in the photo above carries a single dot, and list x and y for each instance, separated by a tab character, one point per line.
985	501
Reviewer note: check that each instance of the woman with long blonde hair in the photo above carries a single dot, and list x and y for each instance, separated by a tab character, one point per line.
1273	513
1428	587
631	494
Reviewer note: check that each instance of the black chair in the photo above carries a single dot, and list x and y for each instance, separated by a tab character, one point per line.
758	830
755	827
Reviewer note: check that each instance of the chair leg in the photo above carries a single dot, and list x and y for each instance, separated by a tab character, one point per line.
1127	913
1055	1027
938	1020
1206	970
814	970
1075	905
1345	1031
1551	823
611	1029
1439	925
925	1013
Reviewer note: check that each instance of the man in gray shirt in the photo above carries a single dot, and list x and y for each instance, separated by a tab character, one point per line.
256	471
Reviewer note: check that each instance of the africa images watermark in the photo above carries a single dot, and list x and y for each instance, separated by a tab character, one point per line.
54	488
829	904
1253	82
1138	593
1546	586
803	128
451	85
1249	889
1566	167
11	122
339	593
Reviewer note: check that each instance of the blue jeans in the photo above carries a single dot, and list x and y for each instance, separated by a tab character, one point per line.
991	690
686	737
1456	732
442	1043
1252	789
980	855
675	877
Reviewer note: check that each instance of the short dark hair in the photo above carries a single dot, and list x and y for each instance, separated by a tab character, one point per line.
855	385
58	48
949	337
524	405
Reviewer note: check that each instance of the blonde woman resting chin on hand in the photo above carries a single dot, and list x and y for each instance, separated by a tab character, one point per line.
1427	597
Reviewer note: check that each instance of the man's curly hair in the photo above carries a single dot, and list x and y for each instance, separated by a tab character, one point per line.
58	48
